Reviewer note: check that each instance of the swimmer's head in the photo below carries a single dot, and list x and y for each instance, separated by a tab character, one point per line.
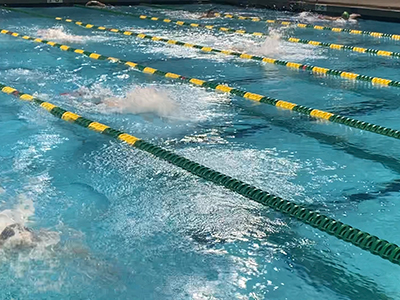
17	235
345	15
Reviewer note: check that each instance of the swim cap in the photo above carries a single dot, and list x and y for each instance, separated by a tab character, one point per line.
345	15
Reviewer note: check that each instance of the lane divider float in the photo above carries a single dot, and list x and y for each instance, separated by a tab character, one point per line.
316	113
258	34
292	65
347	233
316	27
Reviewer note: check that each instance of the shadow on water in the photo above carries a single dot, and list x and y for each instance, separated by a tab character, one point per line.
387	188
312	265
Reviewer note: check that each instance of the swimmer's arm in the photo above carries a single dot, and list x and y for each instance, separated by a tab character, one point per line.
354	16
329	18
97	3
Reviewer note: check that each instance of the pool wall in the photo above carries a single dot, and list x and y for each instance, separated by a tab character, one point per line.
71	2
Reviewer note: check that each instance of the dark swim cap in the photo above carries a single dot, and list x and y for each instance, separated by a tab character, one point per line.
345	15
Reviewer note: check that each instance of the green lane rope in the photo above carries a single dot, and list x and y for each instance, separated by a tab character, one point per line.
316	113
302	25
259	34
324	223
344	47
288	64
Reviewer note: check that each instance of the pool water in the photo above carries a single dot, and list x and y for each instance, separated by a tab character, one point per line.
117	222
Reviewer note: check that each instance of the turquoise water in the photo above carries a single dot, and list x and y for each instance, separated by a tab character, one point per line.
120	223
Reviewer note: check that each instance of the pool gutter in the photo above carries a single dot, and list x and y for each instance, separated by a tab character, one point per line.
27	3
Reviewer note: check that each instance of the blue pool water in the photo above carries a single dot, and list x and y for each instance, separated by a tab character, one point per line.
116	222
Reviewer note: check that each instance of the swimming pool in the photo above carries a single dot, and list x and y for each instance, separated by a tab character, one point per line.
121	223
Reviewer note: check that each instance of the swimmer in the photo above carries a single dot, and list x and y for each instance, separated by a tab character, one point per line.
208	14
144	101
345	17
18	236
13	232
96	4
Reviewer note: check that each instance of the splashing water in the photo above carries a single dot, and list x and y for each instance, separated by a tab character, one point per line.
13	232
23	249
310	17
271	45
143	100
20	214
140	100
59	34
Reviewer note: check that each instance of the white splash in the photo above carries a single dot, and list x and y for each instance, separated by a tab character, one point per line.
182	14
143	100
310	17
19	214
139	100
59	34
271	46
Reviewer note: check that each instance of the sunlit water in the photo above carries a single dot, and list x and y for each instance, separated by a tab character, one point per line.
106	220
